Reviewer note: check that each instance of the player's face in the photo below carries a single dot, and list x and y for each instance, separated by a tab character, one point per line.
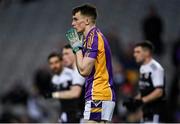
55	65
139	54
79	22
68	57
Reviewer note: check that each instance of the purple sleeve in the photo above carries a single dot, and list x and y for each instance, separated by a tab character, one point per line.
92	46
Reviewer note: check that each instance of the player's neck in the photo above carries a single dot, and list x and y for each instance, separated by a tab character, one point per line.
60	70
87	29
147	60
74	65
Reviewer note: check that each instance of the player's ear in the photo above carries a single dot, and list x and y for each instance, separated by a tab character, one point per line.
87	21
146	52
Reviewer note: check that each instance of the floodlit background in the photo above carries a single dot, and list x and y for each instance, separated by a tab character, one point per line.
31	29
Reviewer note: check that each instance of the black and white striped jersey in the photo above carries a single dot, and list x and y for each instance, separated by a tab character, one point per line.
63	82
151	77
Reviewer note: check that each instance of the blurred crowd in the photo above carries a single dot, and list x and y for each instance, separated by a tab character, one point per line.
20	104
6	3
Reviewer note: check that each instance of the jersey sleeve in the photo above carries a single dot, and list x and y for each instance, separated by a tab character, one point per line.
158	78
92	46
55	79
77	78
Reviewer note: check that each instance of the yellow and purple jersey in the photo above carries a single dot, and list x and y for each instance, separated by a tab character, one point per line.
99	84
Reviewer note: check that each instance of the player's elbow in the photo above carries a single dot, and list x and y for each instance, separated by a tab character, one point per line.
84	72
159	92
76	95
76	92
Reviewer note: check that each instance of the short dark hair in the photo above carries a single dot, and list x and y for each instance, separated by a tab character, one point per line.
86	9
67	46
54	54
147	45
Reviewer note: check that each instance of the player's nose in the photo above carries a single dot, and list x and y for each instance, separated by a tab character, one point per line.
73	24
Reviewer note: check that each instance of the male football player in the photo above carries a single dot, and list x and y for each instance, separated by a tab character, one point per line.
66	89
93	59
151	84
77	90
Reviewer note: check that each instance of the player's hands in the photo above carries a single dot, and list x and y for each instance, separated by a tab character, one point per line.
55	95
128	104
133	104
74	39
138	102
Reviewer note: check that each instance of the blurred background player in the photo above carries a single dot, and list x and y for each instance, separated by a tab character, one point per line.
65	88
151	85
94	62
153	29
78	90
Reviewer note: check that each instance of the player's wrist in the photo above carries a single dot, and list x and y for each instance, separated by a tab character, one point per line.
143	99
76	49
55	95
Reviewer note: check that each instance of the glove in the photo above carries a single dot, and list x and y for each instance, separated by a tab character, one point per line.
49	90
74	39
128	104
132	104
138	102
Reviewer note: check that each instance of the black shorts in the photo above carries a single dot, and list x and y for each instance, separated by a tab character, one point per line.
154	114
153	118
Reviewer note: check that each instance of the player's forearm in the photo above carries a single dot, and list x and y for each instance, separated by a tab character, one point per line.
79	60
65	95
153	96
82	68
138	96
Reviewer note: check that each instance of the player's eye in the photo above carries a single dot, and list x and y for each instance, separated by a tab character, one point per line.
75	19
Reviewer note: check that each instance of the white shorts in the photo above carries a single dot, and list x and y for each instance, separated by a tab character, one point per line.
98	110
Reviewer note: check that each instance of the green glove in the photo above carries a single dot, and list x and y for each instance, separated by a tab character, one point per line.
74	39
